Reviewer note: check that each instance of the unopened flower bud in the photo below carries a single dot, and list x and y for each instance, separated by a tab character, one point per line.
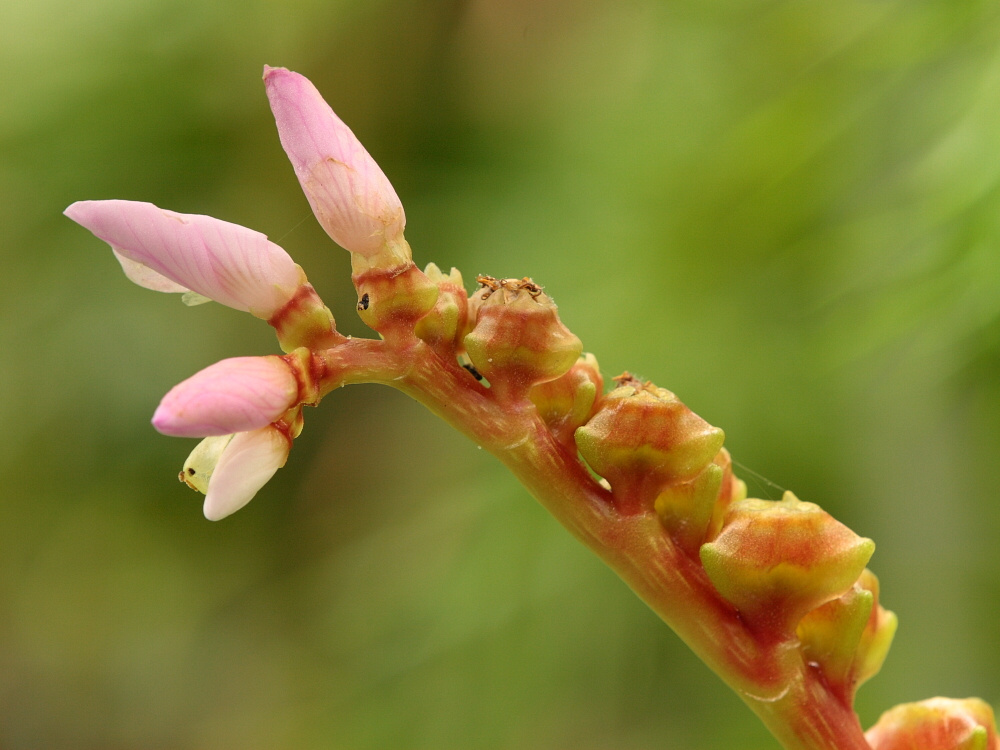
692	511
643	438
848	637
567	402
171	252
230	469
686	507
936	724
518	339
351	197
830	634
235	395
877	635
776	561
731	489
441	326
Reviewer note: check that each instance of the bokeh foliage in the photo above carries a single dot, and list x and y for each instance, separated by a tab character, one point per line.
786	211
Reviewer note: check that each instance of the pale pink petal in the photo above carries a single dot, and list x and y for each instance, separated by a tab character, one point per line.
234	395
146	277
247	463
348	192
231	264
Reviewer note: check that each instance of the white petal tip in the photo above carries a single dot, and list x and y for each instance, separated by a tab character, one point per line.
214	514
216	508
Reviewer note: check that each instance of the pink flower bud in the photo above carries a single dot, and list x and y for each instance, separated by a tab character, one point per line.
936	724
171	252
234	395
349	194
231	469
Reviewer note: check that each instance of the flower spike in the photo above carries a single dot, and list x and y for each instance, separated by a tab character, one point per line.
773	595
171	252
351	197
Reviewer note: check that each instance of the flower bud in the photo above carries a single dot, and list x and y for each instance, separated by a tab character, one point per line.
567	402
936	724
235	395
776	561
171	252
830	635
440	327
518	339
643	438
351	197
686	507
692	511
848	637
230	469
877	635
732	489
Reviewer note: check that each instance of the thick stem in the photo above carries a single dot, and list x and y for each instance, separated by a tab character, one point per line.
809	715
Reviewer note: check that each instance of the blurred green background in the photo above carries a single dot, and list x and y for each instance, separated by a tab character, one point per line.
786	211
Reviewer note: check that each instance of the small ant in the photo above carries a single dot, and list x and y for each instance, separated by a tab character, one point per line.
488	281
513	285
627	379
473	371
